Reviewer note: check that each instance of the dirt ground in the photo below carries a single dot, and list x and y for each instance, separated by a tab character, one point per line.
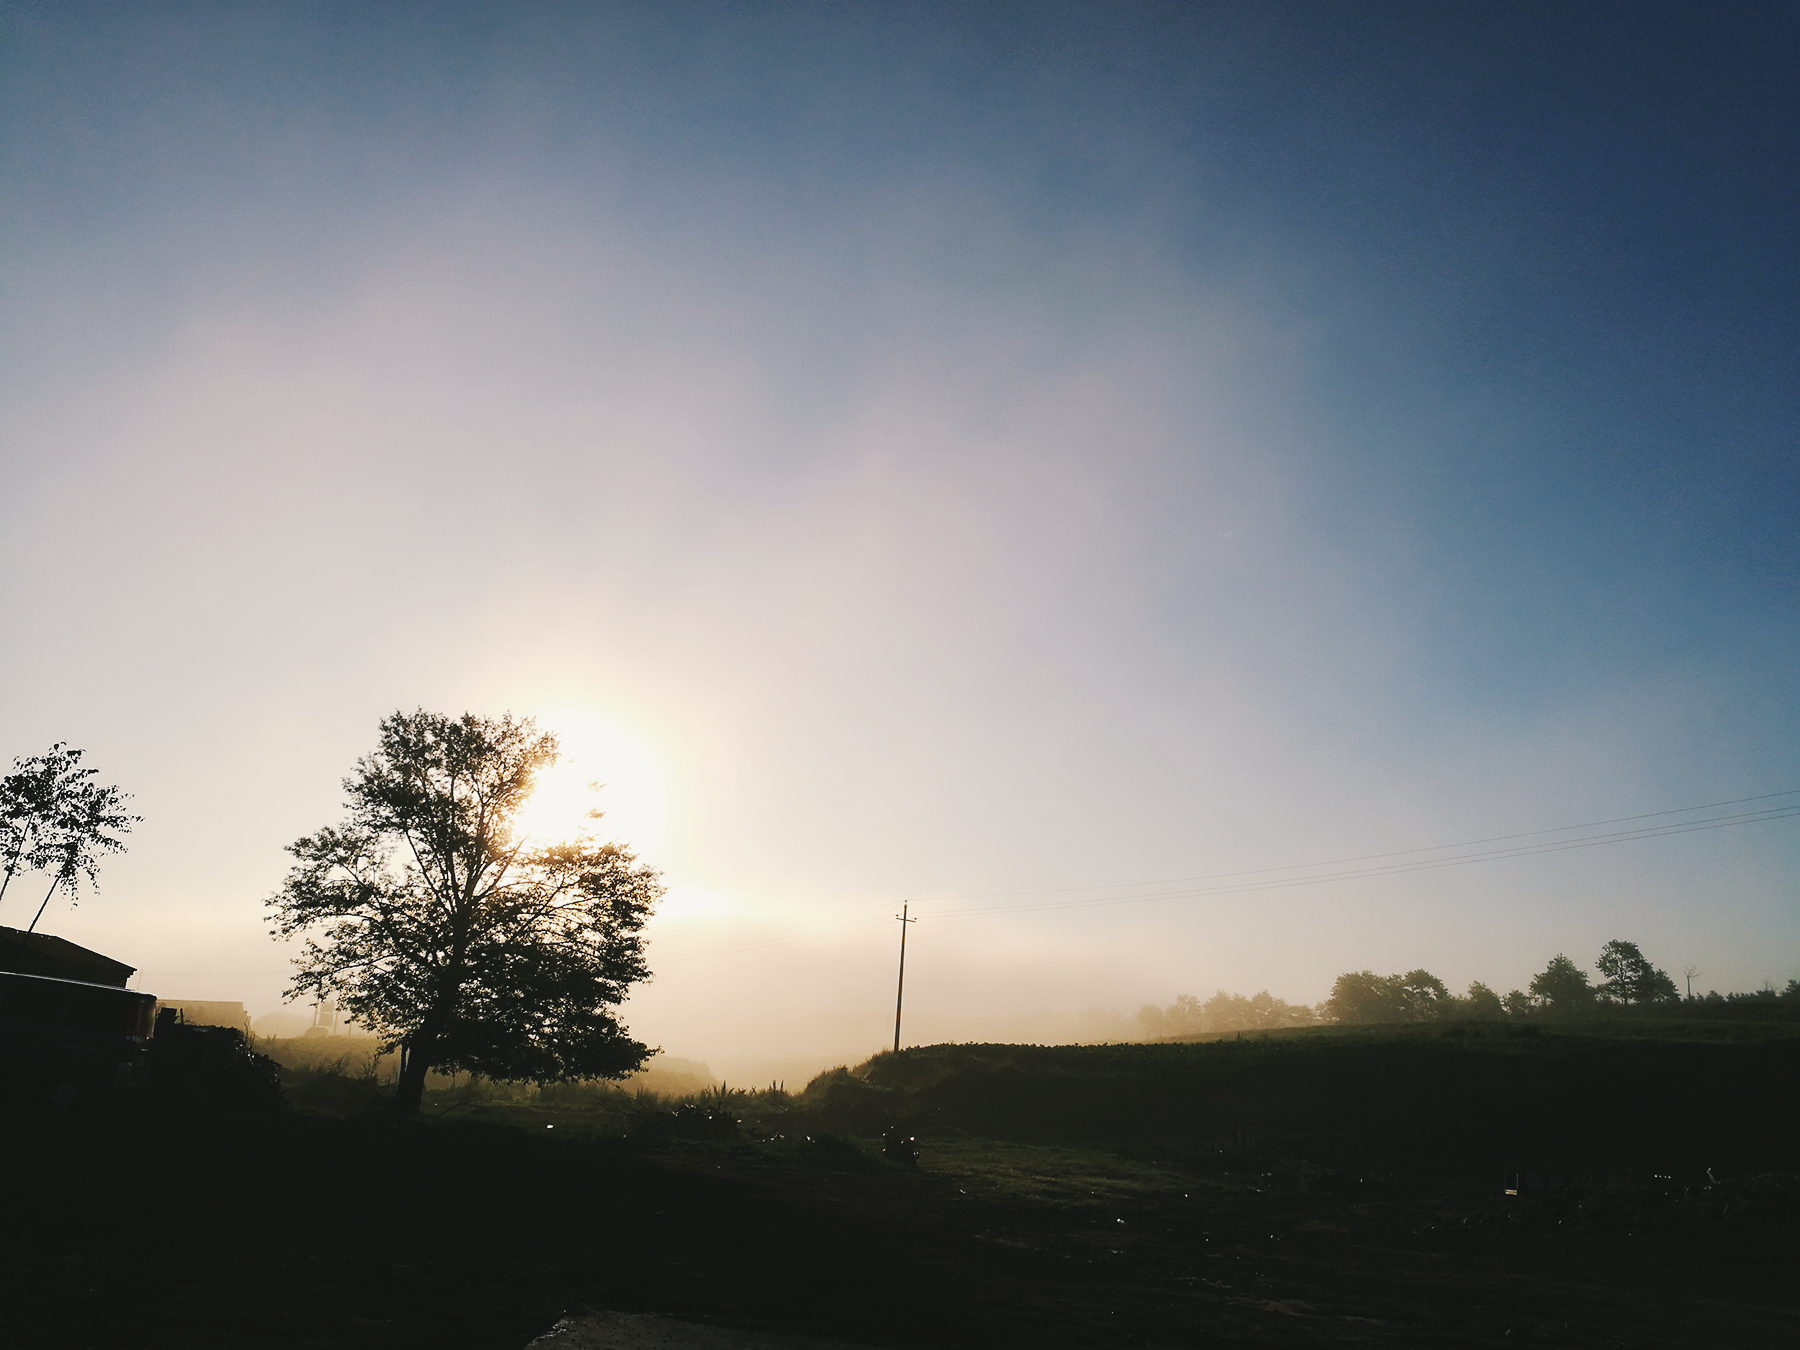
158	1228
645	1331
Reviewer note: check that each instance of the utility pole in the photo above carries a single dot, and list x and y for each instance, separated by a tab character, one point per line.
900	991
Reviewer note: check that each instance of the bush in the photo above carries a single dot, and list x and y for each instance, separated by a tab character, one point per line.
841	1100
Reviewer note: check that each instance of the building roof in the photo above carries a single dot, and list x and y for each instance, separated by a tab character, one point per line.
43	954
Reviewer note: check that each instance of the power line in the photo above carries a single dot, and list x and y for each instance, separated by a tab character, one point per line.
837	927
845	925
1397	869
1365	857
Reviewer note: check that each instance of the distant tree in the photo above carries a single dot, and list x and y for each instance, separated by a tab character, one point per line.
1362	997
55	818
1562	987
1184	1015
1265	1010
1518	1003
1262	1011
1423	996
1482	1003
1226	1012
1153	1020
443	930
1630	978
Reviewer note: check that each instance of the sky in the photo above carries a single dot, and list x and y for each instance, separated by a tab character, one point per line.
980	457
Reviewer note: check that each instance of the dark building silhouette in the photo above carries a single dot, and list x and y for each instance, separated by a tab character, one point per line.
41	954
196	1012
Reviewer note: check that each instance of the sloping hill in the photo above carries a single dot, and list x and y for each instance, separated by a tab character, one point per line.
1447	1100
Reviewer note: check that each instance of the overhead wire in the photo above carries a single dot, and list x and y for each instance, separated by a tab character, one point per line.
1241	882
1395	869
1364	857
840	926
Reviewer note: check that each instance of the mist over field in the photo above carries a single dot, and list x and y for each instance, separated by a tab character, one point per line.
984	457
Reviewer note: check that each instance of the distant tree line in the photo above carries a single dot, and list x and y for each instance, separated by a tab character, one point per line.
1362	997
1561	987
1223	1012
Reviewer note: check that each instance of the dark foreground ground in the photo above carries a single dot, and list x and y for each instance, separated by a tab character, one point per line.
169	1225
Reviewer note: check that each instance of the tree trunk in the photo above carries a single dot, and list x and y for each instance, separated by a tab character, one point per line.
43	907
12	865
421	1049
410	1091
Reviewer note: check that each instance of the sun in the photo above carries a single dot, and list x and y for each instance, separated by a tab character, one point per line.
632	792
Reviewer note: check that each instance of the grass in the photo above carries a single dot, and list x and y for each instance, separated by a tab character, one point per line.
1599	1098
1296	1189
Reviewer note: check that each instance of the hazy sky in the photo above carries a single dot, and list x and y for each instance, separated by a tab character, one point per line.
917	451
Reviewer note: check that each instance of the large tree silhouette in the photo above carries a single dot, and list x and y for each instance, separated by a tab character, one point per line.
1630	978
443	930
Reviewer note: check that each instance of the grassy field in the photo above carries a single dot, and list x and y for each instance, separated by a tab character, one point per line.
1304	1188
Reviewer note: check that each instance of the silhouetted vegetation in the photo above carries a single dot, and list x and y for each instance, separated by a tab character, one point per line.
55	818
1057	1196
1464	1096
213	1065
1629	983
1474	1097
1561	989
1363	998
476	951
1223	1013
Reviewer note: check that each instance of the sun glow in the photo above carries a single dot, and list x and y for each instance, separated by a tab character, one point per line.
600	768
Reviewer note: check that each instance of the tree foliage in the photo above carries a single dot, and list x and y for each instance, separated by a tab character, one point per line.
1363	998
1223	1012
55	818
1423	996
1185	1015
443	930
1630	978
1482	1003
1562	987
1154	1021
1261	1011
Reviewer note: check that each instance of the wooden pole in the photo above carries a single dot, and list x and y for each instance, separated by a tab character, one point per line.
900	991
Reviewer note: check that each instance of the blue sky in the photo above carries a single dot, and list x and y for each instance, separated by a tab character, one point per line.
937	449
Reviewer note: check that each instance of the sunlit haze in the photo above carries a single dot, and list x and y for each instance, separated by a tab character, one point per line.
971	456
605	783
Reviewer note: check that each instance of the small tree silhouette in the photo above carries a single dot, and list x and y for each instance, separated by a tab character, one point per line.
55	818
